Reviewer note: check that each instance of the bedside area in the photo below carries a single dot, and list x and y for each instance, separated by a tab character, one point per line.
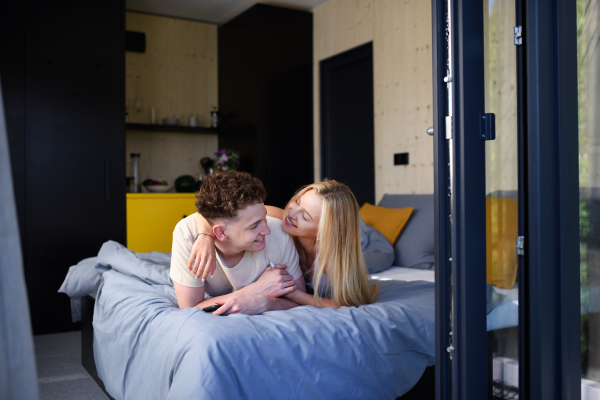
151	218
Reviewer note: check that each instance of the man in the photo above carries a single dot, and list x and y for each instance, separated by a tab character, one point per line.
246	242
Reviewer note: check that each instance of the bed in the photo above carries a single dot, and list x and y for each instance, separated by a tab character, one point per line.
138	344
385	350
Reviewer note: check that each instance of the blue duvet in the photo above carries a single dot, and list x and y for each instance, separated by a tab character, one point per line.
147	348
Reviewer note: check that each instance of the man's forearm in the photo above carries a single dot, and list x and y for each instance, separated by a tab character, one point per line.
279	303
211	301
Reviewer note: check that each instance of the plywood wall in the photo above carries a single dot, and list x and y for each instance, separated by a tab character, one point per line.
402	58
168	155
177	74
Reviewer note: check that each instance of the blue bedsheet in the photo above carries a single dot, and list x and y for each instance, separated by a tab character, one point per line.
147	348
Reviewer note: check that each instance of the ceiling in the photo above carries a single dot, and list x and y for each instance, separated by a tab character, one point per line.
213	11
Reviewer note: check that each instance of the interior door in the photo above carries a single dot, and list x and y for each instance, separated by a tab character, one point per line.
347	121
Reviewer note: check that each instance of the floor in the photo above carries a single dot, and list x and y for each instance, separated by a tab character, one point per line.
60	374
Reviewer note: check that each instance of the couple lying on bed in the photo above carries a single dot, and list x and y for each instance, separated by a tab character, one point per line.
251	258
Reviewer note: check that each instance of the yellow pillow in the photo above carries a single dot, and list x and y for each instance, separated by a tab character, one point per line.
389	221
501	234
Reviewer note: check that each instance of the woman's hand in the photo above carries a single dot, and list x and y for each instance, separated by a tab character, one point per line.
274	282
203	257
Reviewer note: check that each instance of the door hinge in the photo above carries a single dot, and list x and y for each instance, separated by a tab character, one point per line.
450	349
518	35
449	127
520	245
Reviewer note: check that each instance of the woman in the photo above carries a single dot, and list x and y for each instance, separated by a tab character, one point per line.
323	220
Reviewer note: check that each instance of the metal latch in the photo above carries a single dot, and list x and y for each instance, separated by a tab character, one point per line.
449	127
487	127
518	35
520	245
450	349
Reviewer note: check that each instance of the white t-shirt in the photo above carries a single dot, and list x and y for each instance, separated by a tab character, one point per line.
279	249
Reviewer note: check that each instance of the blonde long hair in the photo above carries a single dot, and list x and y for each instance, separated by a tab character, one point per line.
338	246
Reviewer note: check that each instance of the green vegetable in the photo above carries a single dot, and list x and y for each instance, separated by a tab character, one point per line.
185	184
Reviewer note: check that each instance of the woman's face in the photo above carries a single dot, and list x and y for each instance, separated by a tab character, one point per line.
301	218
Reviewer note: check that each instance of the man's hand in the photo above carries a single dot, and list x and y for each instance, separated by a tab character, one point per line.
242	303
274	282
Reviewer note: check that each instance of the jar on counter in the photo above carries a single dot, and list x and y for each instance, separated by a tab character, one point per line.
135	181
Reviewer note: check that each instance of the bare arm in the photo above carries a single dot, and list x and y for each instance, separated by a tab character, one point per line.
274	212
203	258
241	303
305	299
194	297
250	301
273	283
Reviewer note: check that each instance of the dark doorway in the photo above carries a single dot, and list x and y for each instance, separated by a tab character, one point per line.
347	121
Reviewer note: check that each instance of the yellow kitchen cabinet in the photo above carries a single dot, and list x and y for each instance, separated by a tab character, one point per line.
151	218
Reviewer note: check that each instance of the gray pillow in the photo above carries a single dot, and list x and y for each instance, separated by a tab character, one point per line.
415	246
378	252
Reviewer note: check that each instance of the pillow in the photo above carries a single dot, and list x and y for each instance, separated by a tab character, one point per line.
389	221
377	250
415	247
82	279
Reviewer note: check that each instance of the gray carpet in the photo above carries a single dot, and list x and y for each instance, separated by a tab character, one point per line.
60	374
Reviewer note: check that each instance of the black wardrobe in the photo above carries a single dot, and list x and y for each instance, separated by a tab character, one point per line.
266	96
63	81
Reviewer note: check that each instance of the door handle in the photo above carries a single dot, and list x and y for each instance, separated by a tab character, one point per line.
430	131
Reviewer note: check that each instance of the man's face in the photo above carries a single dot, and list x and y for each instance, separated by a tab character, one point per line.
249	231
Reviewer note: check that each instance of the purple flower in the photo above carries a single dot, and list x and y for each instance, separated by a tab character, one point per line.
223	159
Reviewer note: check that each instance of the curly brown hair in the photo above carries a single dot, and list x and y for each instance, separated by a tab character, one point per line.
224	193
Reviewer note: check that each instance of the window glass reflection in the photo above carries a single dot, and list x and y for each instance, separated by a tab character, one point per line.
501	171
588	76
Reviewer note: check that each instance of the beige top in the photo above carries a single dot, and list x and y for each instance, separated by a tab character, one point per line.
279	249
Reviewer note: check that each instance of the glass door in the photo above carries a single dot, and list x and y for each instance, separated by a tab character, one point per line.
588	76
502	197
483	131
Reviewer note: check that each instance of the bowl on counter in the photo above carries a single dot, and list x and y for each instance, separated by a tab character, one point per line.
158	188
171	121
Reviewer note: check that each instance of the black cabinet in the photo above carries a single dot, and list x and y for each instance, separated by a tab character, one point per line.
64	107
266	96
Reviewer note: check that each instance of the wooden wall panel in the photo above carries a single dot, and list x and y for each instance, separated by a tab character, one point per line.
401	35
178	76
167	155
178	72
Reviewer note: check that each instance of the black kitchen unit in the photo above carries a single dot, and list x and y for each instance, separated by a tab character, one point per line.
63	82
266	96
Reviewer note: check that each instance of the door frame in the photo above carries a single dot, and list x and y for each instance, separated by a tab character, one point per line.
549	312
553	328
